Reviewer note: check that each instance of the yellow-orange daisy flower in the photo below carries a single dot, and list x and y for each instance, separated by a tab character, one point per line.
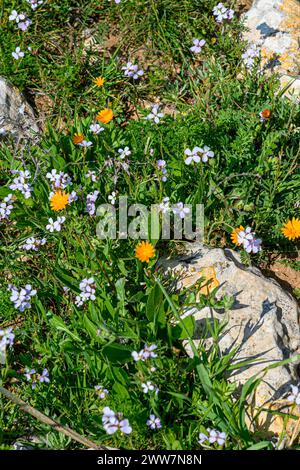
99	81
59	200
144	251
105	116
234	234
78	138
291	229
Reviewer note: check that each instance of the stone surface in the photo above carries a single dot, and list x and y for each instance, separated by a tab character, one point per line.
274	25
263	322
16	116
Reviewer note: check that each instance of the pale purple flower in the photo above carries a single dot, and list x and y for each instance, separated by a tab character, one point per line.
72	197
113	422
138	356
6	207
123	153
164	206
6	338
146	353
35	3
112	198
198	154
179	209
17	54
295	395
30	376
155	116
154	422
212	437
90	202
101	391
59	180
55	226
2	131
14	16
33	244
249	56
85	143
21	298
44	377
192	155
96	128
221	13
92	175
197	45
248	240
149	387
88	290
161	163
24	25
132	71
20	183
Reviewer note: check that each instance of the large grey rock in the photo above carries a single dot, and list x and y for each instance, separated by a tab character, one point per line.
16	116
263	322
274	25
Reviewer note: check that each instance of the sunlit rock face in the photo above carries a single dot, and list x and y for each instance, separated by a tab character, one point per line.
16	116
274	25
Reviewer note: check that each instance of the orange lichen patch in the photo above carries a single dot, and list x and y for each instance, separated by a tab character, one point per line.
205	279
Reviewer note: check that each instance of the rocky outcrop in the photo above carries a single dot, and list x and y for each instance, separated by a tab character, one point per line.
274	25
263	323
16	116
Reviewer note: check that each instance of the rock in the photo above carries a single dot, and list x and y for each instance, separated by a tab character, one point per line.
16	116
263	322
274	25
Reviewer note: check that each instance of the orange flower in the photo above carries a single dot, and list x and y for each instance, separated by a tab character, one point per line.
99	81
105	116
266	113
291	229
144	251
234	234
77	138
59	200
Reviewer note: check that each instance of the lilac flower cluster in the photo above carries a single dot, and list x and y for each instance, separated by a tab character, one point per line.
87	287
101	391
85	143
161	165
249	56
212	436
90	202
6	207
198	154
132	70
113	422
248	240
155	116
197	45
146	353
32	376
59	180
21	19
154	422
33	244
21	298
221	13
21	184
55	225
